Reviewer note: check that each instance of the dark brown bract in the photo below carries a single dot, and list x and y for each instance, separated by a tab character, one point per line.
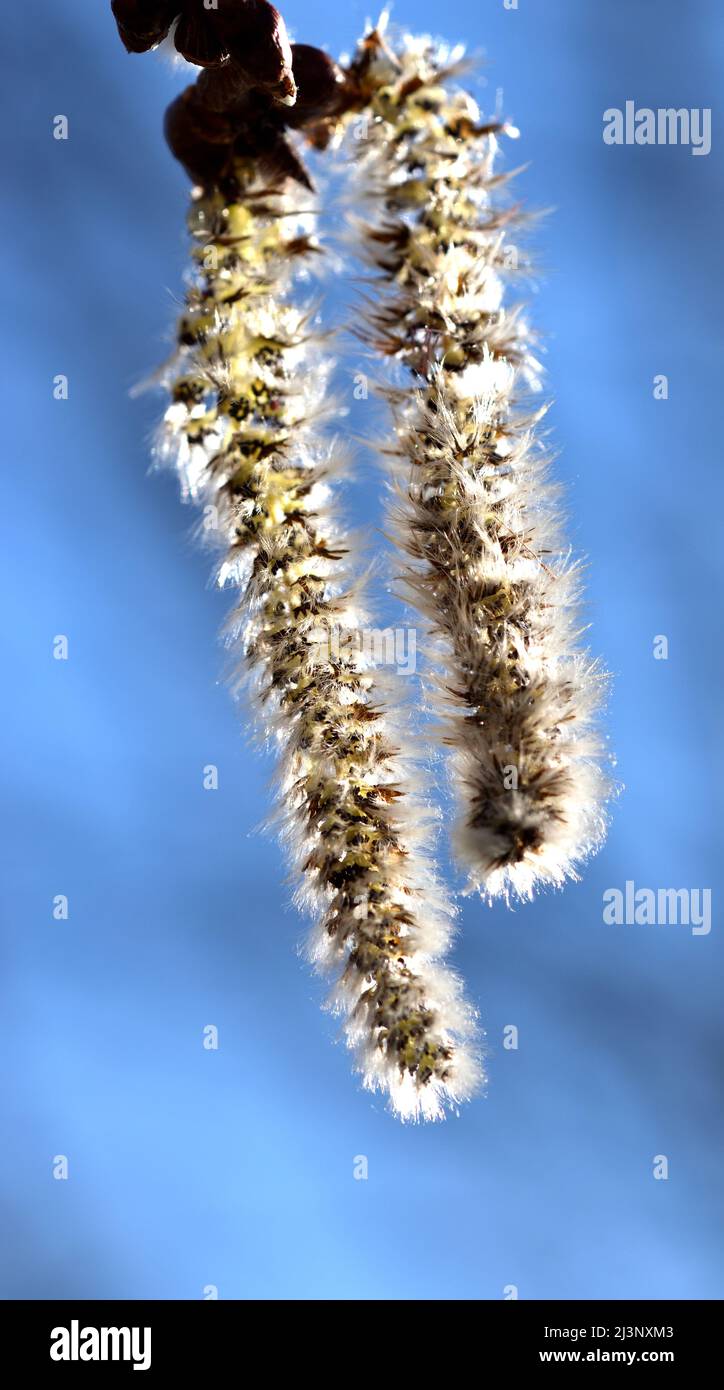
248	35
213	121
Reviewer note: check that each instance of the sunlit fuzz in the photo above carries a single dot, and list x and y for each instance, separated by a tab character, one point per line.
475	513
245	431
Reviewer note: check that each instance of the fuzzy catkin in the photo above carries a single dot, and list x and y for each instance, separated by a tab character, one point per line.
243	430
476	513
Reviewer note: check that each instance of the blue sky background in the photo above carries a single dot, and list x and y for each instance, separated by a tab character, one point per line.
235	1168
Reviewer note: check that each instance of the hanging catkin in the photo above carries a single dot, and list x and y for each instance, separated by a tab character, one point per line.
244	431
476	513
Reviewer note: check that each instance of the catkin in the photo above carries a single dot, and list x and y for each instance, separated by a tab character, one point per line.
476	513
243	429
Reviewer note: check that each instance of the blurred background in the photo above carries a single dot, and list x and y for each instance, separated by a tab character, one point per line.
233	1168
